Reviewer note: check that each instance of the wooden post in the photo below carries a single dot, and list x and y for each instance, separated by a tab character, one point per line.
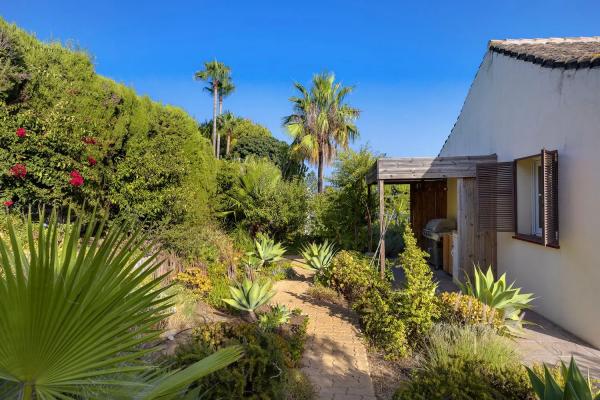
369	222
380	188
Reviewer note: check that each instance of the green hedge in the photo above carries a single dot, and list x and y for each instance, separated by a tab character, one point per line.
136	156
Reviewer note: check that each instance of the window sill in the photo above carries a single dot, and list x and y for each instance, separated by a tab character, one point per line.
534	239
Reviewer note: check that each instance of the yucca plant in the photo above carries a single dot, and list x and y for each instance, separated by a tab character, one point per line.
318	256
576	387
78	315
267	250
497	294
249	295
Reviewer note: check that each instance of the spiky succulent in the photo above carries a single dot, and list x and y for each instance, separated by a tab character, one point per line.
318	256
575	385
497	294
267	250
278	315
248	296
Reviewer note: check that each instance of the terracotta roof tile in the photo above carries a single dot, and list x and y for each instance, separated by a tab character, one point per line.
578	52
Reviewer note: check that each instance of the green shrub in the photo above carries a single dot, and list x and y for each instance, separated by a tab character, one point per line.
274	318
462	309
463	363
262	373
377	308
299	387
419	305
349	273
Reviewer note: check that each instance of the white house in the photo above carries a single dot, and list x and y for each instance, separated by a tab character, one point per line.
530	95
520	174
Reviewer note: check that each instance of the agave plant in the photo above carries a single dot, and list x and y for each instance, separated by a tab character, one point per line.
79	314
576	387
278	315
497	294
318	256
267	250
249	296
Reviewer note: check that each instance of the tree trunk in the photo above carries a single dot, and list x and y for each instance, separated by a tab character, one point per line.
320	172
214	130
219	133
228	144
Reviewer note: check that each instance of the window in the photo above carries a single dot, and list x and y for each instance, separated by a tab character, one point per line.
521	197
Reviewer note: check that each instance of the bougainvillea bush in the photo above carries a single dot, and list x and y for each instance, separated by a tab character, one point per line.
68	136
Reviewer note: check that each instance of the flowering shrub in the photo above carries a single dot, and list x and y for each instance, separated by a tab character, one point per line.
8	203
21	132
18	171
76	178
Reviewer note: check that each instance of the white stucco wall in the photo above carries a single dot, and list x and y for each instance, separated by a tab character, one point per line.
514	109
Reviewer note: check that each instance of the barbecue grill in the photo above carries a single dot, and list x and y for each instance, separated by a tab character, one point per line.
434	231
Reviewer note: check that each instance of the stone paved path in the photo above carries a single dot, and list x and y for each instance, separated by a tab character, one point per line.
335	359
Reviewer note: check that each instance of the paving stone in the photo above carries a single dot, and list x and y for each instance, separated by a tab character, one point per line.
335	359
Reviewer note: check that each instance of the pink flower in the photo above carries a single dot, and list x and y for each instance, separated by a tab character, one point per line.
8	203
18	171
76	178
92	161
21	132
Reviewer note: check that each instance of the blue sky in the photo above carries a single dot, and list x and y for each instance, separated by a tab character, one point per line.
412	62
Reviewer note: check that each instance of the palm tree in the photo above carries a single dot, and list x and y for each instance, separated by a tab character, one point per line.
228	122
215	73
321	122
225	89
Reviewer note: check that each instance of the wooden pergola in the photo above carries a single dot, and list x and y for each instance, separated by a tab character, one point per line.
410	170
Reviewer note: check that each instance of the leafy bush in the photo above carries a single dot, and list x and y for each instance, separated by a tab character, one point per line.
262	373
573	385
497	294
467	363
419	306
195	279
103	303
254	195
462	309
299	386
134	157
318	256
349	273
248	296
378	310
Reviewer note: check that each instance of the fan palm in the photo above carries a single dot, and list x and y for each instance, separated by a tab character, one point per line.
216	74
228	122
321	121
78	314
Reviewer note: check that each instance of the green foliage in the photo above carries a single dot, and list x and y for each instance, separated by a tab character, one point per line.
318	256
100	304
574	385
325	294
274	318
468	362
195	279
342	212
151	163
497	294
248	296
419	305
277	151
299	386
462	309
349	273
254	195
377	308
263	372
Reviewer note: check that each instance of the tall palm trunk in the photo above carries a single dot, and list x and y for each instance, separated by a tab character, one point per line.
320	171
214	131
228	144
219	133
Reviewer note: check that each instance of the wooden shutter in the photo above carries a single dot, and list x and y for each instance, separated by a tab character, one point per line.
550	170
495	196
